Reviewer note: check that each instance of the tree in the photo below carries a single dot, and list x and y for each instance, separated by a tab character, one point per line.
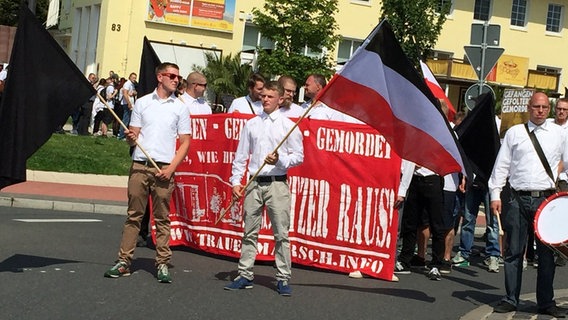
417	24
226	76
294	25
9	11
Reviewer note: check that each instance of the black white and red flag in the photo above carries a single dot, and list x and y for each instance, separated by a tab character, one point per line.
380	86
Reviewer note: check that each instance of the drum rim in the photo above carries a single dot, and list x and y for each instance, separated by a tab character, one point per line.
558	194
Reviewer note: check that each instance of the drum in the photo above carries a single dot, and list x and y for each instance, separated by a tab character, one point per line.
551	223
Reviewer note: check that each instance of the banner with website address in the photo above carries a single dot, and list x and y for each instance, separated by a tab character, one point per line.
343	194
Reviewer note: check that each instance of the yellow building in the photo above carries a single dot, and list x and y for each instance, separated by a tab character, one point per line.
105	35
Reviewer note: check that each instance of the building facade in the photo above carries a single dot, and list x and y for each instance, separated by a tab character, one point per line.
105	35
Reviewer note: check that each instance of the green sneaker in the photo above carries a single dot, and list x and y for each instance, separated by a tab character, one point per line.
119	270
459	261
163	274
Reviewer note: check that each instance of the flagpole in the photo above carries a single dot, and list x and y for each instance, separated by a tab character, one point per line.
154	164
233	200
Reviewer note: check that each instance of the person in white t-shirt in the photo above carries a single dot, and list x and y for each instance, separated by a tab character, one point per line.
193	95
128	94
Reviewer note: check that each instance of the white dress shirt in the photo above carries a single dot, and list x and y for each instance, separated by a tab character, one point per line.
518	159
242	105
259	138
196	106
406	173
293	111
564	174
321	111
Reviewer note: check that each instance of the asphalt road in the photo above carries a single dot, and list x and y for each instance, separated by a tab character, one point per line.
54	270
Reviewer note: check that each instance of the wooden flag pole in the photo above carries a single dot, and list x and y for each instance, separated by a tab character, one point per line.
154	164
498	215
233	200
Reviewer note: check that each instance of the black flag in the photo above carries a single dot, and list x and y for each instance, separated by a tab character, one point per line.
42	89
148	63
479	137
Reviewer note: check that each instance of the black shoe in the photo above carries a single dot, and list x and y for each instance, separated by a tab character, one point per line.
554	311
401	268
445	267
504	307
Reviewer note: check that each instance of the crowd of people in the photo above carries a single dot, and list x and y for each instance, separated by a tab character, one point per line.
430	205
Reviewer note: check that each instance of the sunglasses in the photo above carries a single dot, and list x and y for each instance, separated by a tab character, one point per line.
204	85
172	76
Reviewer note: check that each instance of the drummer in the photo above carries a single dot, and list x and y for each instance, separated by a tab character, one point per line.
532	180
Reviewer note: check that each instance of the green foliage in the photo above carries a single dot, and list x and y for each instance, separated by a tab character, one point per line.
82	154
226	75
417	24
9	10
294	25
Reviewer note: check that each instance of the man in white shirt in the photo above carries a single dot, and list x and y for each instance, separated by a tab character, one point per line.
288	107
531	184
157	119
269	189
314	84
128	94
193	95
250	103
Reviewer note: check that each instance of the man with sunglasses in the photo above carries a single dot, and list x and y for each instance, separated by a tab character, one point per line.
193	95
157	119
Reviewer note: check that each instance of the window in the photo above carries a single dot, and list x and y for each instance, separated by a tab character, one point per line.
346	49
482	10
441	55
554	18
252	38
519	13
442	3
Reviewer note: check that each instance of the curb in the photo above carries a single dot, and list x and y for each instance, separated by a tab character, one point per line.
17	201
527	303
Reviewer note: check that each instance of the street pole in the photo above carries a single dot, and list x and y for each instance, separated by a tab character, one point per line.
483	49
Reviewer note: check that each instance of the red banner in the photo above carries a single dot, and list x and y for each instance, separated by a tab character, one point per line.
342	196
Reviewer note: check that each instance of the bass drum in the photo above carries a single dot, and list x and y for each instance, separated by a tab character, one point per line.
551	223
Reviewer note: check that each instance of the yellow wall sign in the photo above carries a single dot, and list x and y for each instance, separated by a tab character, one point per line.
512	70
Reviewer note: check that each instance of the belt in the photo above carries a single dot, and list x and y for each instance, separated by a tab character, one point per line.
269	179
148	163
536	194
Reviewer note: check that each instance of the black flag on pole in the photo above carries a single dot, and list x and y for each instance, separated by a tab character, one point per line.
479	137
148	63
42	89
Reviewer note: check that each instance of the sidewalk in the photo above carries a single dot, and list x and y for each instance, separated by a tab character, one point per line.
68	192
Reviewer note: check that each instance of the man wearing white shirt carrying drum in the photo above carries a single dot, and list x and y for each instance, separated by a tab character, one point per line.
532	179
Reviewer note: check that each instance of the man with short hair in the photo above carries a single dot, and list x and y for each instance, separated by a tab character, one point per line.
250	103
532	180
314	84
288	107
193	95
157	118
269	189
128	94
86	110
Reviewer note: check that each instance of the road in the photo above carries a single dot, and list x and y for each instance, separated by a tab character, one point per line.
54	270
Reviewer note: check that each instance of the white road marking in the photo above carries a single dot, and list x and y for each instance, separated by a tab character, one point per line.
57	220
